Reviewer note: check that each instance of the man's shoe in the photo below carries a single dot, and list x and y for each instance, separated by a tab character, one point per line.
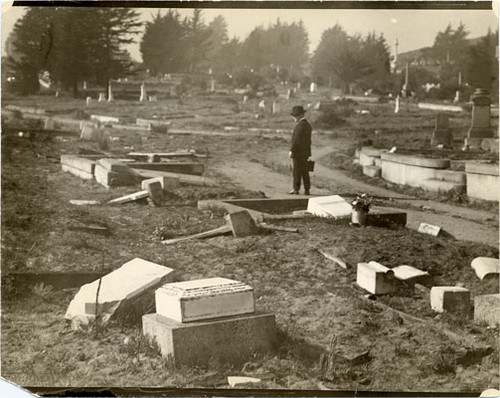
293	192
306	193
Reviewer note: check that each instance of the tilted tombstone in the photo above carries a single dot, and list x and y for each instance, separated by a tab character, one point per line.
144	96
102	97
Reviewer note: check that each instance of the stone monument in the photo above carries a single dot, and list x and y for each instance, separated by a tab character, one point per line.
442	133
102	97
209	320
110	93
481	119
144	96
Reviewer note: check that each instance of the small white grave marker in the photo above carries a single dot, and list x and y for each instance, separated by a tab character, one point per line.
429	229
329	206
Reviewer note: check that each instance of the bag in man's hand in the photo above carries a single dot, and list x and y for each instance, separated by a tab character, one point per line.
310	165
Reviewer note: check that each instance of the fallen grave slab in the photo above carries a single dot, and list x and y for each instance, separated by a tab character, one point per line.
183	178
333	255
228	340
105	119
130	198
80	202
487	309
376	278
204	299
202	235
130	127
182	168
269	227
116	166
453	299
429	229
329	206
486	267
117	291
411	275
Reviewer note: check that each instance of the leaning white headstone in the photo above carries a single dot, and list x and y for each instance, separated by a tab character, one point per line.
329	206
131	280
88	100
204	299
429	229
396	109
276	107
313	88
245	99
102	97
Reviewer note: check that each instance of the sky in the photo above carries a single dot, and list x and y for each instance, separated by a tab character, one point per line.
412	28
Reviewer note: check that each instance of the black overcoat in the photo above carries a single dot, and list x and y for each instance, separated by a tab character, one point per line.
301	140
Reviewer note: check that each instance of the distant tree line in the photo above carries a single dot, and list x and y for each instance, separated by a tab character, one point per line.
75	44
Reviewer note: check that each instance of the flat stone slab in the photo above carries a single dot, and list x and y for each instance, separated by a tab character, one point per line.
486	266
487	309
329	206
481	168
376	278
183	178
77	172
118	288
412	275
416	160
450	299
130	198
371	151
204	299
228	340
105	119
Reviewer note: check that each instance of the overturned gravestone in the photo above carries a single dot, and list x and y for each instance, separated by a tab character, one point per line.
453	299
155	191
167	183
376	278
118	290
204	299
214	320
329	206
242	224
487	309
486	267
411	275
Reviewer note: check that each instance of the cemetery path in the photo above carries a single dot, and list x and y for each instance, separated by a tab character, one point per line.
463	223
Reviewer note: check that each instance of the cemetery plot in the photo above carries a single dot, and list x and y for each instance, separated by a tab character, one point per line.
293	318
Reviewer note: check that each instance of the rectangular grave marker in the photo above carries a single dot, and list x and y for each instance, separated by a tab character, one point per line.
429	229
329	206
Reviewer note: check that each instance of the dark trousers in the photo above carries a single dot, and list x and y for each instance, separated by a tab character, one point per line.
300	172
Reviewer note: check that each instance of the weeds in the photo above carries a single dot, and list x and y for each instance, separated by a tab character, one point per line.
42	291
137	346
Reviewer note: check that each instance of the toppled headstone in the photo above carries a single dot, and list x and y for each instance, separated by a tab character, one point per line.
333	254
411	275
429	229
242	224
105	119
83	202
167	183
155	191
376	278
486	266
329	206
117	290
487	309
453	299
204	299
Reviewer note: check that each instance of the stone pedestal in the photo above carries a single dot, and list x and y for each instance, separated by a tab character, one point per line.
376	278
225	340
450	299
481	119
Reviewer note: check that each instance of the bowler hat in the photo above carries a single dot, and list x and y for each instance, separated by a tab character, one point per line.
298	111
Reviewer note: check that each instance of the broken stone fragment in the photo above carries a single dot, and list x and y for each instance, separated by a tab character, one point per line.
486	266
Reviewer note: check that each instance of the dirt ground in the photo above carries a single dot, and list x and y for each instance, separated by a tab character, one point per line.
330	335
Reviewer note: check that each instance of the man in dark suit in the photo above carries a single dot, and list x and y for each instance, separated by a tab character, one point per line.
300	150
